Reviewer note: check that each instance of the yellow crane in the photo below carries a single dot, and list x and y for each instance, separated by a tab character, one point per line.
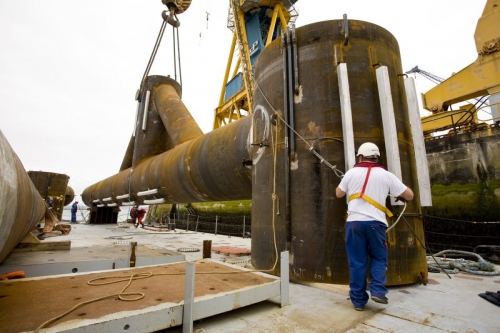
480	78
255	24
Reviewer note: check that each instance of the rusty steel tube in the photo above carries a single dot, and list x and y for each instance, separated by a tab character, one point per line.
129	155
21	206
180	125
208	168
163	121
317	245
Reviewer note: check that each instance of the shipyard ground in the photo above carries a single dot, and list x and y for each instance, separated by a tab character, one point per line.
444	305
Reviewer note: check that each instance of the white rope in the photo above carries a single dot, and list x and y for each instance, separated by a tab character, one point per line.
399	217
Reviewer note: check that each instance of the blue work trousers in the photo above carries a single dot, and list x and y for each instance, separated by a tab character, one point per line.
73	217
366	239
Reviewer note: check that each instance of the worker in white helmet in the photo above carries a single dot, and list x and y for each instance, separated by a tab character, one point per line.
367	186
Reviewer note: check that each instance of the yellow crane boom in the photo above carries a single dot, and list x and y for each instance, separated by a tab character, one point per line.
482	77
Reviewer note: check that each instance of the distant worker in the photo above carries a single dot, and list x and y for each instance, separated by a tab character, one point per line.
51	204
367	186
74	209
137	213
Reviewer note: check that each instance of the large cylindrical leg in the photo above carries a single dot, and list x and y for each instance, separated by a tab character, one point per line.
315	234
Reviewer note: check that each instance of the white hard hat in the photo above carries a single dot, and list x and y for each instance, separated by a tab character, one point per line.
368	149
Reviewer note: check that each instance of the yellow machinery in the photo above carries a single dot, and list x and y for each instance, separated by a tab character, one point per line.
465	116
255	23
482	77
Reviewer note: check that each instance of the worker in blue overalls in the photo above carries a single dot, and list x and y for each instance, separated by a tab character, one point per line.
74	209
367	186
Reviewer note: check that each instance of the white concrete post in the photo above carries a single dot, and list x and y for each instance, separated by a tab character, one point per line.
285	279
424	183
389	123
187	316
346	112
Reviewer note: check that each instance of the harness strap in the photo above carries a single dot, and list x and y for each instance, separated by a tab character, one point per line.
362	195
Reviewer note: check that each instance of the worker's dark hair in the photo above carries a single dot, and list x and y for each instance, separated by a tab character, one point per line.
368	158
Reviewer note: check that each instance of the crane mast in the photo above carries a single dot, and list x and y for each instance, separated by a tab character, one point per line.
255	24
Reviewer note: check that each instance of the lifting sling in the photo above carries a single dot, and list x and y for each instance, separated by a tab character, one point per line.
362	195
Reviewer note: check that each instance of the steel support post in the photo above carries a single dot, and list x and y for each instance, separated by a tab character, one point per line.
216	217
243	235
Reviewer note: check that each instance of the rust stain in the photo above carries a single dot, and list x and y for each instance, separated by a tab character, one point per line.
404	291
231	250
468	277
432	281
313	128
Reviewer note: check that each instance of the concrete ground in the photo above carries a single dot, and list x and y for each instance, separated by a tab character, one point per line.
444	305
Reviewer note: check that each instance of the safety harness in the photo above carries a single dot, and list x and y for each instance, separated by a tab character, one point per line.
362	195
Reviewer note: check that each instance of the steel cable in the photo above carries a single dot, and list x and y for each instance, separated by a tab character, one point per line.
337	172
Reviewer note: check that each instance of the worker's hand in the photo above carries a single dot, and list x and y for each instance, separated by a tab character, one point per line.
400	199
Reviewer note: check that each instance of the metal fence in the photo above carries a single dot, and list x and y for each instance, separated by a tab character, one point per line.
443	233
219	225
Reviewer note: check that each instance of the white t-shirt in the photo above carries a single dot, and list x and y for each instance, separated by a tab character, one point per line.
380	183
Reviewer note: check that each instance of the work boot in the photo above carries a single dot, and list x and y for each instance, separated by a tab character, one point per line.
136	225
382	300
142	226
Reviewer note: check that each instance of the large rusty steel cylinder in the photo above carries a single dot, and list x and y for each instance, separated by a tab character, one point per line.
313	228
21	206
208	168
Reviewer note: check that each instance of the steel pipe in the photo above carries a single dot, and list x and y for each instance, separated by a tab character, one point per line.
208	168
21	206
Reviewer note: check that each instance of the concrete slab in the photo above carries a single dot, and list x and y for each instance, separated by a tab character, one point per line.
444	305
